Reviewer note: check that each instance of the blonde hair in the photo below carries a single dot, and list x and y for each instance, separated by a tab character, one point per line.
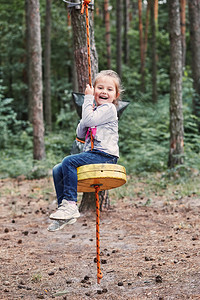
116	79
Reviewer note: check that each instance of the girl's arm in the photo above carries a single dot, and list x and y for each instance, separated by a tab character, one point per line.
81	130
102	114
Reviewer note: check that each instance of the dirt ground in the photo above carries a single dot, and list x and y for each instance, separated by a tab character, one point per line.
147	251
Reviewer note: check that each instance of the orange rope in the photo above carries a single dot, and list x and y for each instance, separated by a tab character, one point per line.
92	140
79	140
85	6
97	188
99	273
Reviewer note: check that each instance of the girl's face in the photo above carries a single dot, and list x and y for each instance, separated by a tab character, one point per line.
105	90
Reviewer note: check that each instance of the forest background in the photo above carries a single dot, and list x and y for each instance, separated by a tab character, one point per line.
150	232
145	124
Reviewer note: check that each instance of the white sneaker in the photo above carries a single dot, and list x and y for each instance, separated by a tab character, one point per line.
57	224
66	211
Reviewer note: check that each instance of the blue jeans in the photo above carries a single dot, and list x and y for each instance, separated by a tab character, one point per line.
65	173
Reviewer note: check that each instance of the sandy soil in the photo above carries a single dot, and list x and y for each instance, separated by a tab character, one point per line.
147	251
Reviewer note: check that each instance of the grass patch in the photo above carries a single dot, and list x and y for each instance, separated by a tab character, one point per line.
146	187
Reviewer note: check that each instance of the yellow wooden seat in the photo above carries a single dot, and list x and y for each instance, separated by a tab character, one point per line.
106	176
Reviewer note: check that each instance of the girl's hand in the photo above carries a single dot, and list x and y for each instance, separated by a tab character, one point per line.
89	90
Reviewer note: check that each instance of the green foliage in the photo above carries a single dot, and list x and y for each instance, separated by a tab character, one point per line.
36	277
144	137
61	55
17	149
4	120
17	146
131	82
171	184
12	53
13	56
144	127
18	160
144	141
9	125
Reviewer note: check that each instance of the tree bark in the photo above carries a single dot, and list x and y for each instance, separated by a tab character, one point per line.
27	14
183	24
194	16
119	37
35	79
141	45
107	26
146	29
176	114
126	29
153	51
47	67
81	62
26	57
80	48
156	11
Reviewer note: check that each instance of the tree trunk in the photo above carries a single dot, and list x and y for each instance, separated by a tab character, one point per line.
26	68
183	24
80	48
88	202
153	51
119	37
27	14
74	77
176	114
146	29
156	11
141	45
81	61
47	67
107	26
35	79
126	29
194	16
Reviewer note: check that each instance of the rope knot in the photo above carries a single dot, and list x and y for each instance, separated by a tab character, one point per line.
85	4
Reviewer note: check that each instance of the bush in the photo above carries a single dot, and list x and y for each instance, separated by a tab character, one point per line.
144	137
9	125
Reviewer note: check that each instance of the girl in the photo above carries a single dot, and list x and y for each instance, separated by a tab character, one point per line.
102	121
